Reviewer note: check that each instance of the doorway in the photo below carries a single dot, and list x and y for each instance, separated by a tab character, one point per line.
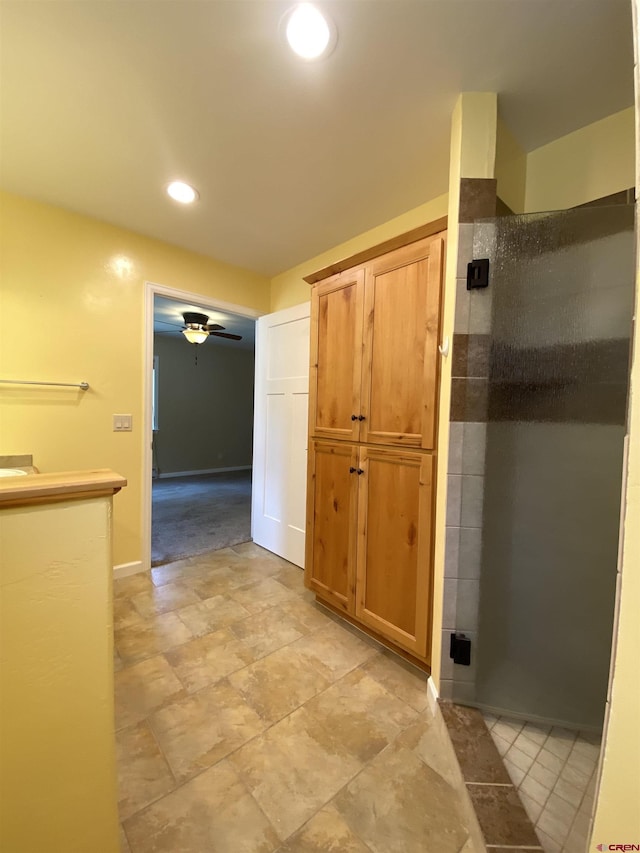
199	421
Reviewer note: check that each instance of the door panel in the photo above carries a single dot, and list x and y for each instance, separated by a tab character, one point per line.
402	308
280	432
333	495
336	357
394	545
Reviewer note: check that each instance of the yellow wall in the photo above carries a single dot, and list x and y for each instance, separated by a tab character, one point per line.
590	163
71	310
57	748
511	169
617	816
289	289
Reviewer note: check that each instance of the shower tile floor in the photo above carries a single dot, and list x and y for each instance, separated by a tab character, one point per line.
248	720
554	772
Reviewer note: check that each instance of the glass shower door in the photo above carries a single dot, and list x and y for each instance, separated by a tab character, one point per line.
560	301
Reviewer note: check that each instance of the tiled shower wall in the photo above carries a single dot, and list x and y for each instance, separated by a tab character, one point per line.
467	439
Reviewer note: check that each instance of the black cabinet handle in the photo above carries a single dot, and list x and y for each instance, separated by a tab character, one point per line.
354	417
361	417
352	470
360	471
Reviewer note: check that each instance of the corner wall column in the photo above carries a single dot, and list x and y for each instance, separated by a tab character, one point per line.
462	417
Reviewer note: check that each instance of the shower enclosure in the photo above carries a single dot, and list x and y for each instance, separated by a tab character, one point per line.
558	316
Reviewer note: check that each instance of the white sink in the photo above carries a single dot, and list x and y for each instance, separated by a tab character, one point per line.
12	472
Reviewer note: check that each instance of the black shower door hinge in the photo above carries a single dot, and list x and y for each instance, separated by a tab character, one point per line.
460	649
478	273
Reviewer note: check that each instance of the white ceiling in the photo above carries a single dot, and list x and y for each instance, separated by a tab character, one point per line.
167	320
103	102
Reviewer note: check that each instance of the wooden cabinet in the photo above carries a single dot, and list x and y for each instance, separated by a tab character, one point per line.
394	545
372	424
374	345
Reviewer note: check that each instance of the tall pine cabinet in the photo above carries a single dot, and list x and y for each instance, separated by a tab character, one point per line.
372	442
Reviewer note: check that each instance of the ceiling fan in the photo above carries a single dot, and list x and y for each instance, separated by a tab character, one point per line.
197	328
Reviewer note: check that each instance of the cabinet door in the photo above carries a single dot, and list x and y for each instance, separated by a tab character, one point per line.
332	497
400	370
394	545
336	357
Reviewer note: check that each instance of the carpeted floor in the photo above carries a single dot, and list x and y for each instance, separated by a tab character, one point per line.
191	515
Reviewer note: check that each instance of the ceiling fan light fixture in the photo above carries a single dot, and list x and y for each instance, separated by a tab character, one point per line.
195	336
310	33
184	193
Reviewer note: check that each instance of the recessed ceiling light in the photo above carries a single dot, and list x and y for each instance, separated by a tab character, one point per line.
179	191
309	33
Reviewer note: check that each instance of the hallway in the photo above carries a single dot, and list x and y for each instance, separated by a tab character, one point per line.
248	719
195	514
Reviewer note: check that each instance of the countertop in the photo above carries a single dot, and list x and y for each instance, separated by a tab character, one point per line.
64	485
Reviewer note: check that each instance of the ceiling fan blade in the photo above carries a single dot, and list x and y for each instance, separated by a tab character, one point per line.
212	327
168	323
226	335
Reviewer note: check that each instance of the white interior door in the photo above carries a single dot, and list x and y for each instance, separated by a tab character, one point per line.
280	432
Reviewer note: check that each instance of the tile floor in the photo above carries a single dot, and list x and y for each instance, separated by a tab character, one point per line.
249	719
554	772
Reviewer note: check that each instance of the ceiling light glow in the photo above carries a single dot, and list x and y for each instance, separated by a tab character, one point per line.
179	191
308	31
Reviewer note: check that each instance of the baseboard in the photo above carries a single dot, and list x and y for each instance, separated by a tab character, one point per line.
432	692
126	569
204	471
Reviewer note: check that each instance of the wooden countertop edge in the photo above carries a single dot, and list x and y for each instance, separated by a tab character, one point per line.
71	485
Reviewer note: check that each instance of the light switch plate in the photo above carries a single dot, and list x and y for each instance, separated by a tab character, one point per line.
122	423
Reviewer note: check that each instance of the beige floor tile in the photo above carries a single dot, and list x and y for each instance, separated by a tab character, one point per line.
364	715
310	615
427	738
151	637
262	595
162	599
124	613
212	614
267	631
143	774
254	571
575	777
215	582
212	813
334	650
215	559
516	774
470	846
403	680
126	587
534	789
143	688
292	577
207	659
293	769
399	803
279	683
124	843
179	571
548	844
532	808
326	831
251	551
202	729
543	775
569	792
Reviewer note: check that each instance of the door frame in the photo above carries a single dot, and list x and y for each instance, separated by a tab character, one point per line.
206	302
